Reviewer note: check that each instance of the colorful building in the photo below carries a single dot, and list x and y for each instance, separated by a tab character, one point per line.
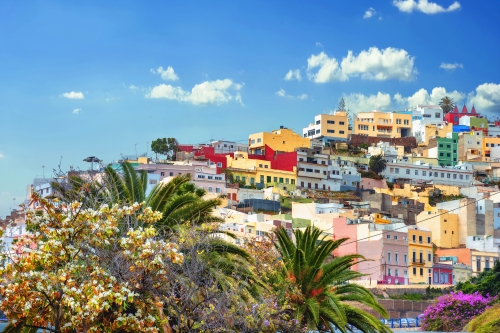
421	256
442	273
328	127
490	154
447	149
443	226
454	116
384	124
283	140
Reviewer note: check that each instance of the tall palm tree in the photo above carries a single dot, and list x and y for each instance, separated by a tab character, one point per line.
377	163
320	292
447	104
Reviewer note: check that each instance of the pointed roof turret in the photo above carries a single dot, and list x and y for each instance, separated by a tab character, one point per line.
455	109
473	110
464	109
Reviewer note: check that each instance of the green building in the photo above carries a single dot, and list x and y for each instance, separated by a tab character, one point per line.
447	150
478	122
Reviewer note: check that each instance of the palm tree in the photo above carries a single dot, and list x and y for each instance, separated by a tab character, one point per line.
377	163
447	104
319	292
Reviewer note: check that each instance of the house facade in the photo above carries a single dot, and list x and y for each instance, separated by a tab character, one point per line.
383	124
283	140
328	127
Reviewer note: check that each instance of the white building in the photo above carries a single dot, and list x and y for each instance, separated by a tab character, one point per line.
313	171
423	115
227	147
386	150
419	172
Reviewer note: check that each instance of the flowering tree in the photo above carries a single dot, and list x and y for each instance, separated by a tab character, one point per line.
88	273
453	311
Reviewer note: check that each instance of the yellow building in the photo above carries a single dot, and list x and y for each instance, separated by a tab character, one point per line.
443	227
433	131
255	172
383	124
283	139
488	143
421	256
334	126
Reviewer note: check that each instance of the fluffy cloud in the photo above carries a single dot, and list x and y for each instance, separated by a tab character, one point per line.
293	74
209	92
422	96
450	67
166	74
486	96
73	95
76	111
2	155
329	69
361	103
424	6
369	13
282	93
371	64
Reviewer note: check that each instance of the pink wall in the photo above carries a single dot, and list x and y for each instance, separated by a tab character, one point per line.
369	183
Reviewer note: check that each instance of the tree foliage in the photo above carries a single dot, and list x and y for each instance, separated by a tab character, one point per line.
447	104
317	284
486	283
377	163
165	146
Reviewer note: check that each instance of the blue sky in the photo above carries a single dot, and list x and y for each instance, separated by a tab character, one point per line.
90	78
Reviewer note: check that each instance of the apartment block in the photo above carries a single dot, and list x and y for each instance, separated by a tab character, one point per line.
384	124
328	127
283	139
447	150
421	256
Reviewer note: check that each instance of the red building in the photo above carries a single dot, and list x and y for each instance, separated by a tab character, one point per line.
454	116
442	274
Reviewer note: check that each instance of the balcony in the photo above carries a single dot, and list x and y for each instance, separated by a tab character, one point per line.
318	175
418	262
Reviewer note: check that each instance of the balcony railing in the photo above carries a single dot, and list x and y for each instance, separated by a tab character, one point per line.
418	262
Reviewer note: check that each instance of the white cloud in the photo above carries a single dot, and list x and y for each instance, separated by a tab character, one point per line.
486	96
166	74
369	13
450	67
209	92
73	95
423	97
2	155
319	44
282	93
293	74
371	64
361	103
76	111
133	88
329	69
424	6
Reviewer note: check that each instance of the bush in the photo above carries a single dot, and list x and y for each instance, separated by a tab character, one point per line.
451	312
488	321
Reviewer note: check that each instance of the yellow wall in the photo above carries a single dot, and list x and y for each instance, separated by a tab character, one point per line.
341	124
377	123
443	226
283	140
416	246
486	150
241	166
434	131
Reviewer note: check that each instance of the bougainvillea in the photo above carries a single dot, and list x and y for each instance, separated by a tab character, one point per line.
452	312
90	271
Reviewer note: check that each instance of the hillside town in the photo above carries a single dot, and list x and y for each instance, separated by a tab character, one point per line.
415	191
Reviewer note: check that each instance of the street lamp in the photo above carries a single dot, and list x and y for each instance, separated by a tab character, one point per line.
92	159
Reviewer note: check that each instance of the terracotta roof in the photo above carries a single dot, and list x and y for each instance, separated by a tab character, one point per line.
408	142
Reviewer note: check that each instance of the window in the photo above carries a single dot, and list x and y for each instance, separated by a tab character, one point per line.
478	264
388	257
437	115
396	272
440	145
341	123
406	122
330	122
237	178
420	239
407	171
429	257
395	238
210	189
414	271
162	174
442	174
260	165
421	272
396	170
268	179
318	122
448	175
398	121
448	146
318	131
253	141
448	154
414	238
454	176
259	140
396	257
414	256
405	257
292	181
152	181
388	236
466	177
330	131
275	179
244	179
424	173
461	176
388	272
281	180
341	132
416	172
429	239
